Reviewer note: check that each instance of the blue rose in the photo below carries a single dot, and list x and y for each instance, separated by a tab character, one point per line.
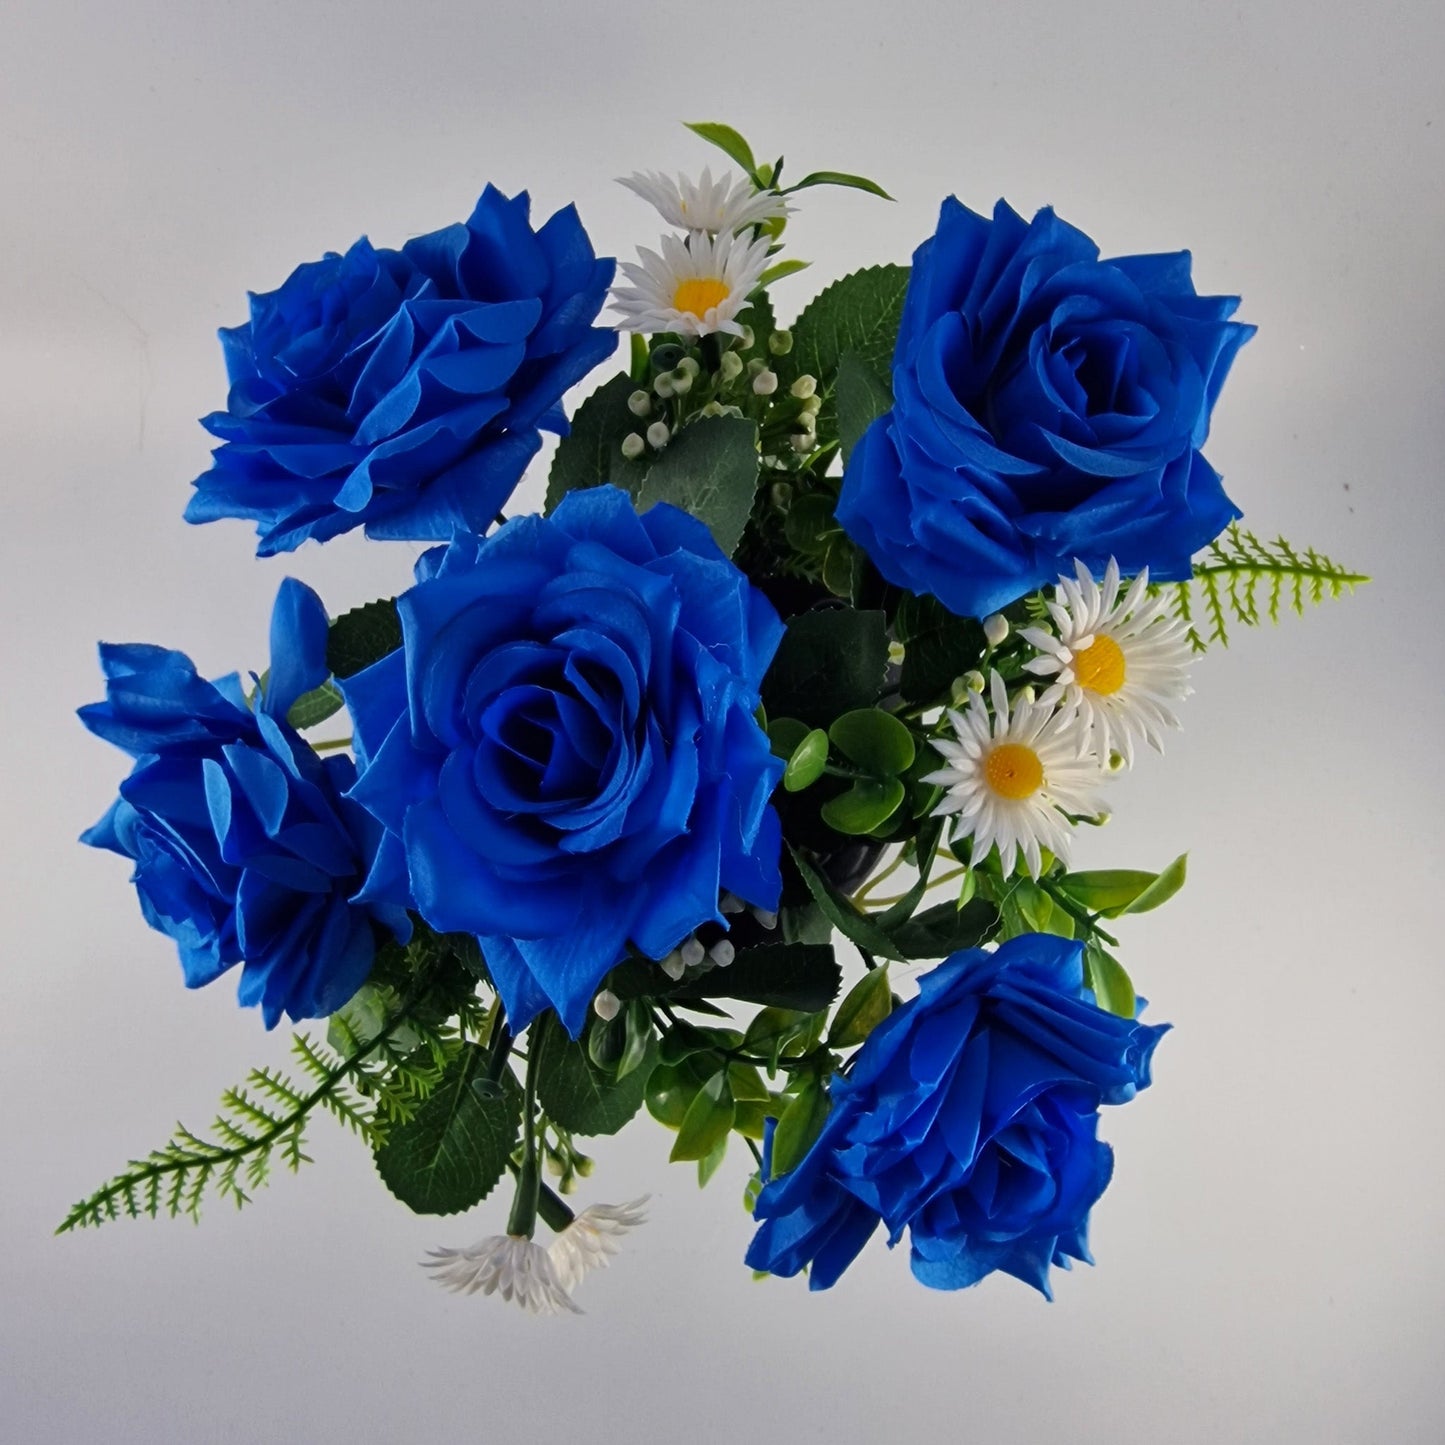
244	844
969	1118
405	391
564	752
1047	406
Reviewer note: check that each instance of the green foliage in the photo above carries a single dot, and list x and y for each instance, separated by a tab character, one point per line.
801	1123
937	647
1111	984
708	1120
875	740
370	1084
729	142
576	1092
867	1004
807	761
315	706
362	636
591	452
838	178
1112	892
866	807
945	928
862	397
710	471
450	1154
802	976
1239	578
856	927
828	663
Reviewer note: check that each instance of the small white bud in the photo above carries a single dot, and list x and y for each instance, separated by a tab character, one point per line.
1027	693
731	366
766	918
713	408
731	903
803	442
689	364
747	338
973	681
607	1005
811	406
681	381
658	435
995	629
662	384
721	953
757	365
633	446
780	343
765	383
692	952
804	387
672	965
1099	819
639	403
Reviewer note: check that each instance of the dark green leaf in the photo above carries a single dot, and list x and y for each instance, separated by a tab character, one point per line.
451	1152
800	1125
868	1003
1112	986
671	1088
709	1118
828	662
839	178
710	471
576	1093
802	976
945	928
785	733
842	567
727	140
860	314
865	807
840	912
807	762
315	706
875	740
810	523
362	636
591	453
938	647
862	397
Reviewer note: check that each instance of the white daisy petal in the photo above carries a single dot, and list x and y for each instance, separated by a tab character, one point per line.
722	205
696	287
592	1239
516	1268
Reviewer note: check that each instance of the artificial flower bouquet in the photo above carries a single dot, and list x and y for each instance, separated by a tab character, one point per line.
832	632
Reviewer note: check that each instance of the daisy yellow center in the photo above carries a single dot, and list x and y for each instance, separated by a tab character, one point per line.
1100	667
699	294
1014	771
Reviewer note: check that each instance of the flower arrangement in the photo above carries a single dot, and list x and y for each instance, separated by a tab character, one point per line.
896	591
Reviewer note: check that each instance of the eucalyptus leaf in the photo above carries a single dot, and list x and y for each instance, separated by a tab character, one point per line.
875	740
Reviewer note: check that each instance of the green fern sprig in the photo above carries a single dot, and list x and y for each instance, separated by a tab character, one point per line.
1242	579
369	1085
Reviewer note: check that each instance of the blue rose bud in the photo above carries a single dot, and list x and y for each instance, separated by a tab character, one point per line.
564	753
244	846
405	391
969	1119
1048	405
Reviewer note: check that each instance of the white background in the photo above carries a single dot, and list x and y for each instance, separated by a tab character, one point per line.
1270	1252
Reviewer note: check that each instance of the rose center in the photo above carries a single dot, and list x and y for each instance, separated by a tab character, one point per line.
699	294
1014	771
1100	667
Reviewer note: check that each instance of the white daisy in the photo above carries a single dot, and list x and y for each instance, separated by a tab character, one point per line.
592	1239
1011	777
706	205
507	1264
695	287
1121	664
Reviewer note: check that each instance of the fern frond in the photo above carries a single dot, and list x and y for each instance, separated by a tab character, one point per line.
1239	578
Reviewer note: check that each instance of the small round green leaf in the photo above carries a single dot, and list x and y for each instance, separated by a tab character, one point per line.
785	733
875	740
806	765
867	805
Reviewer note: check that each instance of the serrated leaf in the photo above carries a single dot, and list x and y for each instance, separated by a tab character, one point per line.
862	397
828	663
453	1150
800	1125
362	636
313	707
867	1004
577	1094
946	928
709	1119
802	976
1163	888
875	740
727	140
710	471
591	452
937	647
854	926
860	314
867	805
807	762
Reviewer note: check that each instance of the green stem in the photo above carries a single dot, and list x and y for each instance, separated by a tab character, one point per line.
1090	921
331	745
523	1219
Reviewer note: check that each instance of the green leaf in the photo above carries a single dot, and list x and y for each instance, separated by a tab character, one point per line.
854	926
362	636
452	1151
710	471
810	523
637	1047
577	1094
747	1084
708	1120
1106	890
839	178
315	706
671	1088
706	1168
945	928
1112	986
862	397
801	976
937	647
591	452
860	314
875	740
828	662
868	1003
1163	888
806	765
842	567
779	269
800	1125
727	140
867	805
786	734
